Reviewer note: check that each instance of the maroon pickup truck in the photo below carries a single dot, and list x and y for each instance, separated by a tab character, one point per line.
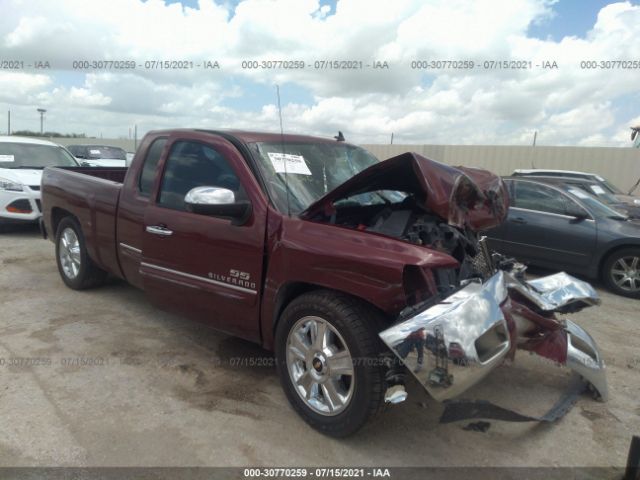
358	274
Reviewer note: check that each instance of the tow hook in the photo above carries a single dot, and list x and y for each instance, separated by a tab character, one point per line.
395	394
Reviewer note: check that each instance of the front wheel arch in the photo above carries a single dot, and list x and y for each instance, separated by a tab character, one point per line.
292	290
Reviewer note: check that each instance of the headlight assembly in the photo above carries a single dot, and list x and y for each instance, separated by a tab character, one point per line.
10	185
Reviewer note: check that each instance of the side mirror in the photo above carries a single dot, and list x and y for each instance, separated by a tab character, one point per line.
217	202
577	212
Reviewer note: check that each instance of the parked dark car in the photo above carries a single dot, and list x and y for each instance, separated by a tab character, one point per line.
99	155
562	227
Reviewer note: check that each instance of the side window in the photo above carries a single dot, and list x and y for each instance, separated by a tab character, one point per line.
190	165
534	196
145	182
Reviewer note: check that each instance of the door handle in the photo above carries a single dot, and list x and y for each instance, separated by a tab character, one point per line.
159	230
519	220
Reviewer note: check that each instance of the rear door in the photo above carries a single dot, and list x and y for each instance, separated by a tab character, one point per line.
540	230
199	265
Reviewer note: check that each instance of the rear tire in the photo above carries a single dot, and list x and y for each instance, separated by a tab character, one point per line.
621	272
76	268
334	380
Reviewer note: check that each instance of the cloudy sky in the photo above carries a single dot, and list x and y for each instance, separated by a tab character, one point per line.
567	105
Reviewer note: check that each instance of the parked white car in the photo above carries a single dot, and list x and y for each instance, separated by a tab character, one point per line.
21	163
99	155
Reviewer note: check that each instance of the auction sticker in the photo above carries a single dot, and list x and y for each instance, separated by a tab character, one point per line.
7	158
94	152
287	163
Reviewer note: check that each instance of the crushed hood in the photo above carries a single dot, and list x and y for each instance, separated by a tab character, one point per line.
460	195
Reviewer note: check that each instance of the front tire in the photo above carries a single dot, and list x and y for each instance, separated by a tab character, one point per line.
76	268
621	272
327	352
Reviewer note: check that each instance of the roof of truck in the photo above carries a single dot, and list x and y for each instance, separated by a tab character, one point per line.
248	136
28	140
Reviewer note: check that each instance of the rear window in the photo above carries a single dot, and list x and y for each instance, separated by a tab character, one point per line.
148	173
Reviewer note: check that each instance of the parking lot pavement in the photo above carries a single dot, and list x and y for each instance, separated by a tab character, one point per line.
102	378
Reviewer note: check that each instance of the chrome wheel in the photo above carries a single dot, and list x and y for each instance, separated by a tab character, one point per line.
320	365
625	273
69	253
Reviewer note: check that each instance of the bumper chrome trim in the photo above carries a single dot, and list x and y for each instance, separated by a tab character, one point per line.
454	344
555	291
584	358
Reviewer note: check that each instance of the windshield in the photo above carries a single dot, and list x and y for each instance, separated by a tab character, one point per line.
26	155
595	205
603	195
114	153
313	169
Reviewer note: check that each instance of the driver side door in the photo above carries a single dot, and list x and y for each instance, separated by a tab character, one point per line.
199	265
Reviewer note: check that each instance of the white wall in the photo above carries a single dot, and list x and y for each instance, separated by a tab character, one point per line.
620	165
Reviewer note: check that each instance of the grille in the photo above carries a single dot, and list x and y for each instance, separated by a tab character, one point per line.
482	262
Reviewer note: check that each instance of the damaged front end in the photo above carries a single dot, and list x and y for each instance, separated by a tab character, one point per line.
460	323
452	345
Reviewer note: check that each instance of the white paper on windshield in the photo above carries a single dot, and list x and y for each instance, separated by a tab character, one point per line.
598	189
7	158
287	163
94	152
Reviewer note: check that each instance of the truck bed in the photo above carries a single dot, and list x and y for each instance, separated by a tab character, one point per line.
91	195
114	174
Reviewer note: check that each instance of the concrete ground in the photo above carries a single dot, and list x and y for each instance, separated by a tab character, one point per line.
102	378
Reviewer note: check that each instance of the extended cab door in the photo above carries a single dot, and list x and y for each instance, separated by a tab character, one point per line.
199	265
134	199
540	228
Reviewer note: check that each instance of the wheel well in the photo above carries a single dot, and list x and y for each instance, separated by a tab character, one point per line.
293	290
615	249
57	214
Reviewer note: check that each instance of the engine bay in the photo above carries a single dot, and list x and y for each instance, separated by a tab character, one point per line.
408	221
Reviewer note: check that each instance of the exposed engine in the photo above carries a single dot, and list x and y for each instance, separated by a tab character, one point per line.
407	221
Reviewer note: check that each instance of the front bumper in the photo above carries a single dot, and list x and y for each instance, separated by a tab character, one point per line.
454	344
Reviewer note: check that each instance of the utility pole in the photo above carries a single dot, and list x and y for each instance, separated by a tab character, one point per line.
42	112
391	138
135	138
535	135
9	122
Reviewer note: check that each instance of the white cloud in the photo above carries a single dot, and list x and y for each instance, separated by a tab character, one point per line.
569	105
